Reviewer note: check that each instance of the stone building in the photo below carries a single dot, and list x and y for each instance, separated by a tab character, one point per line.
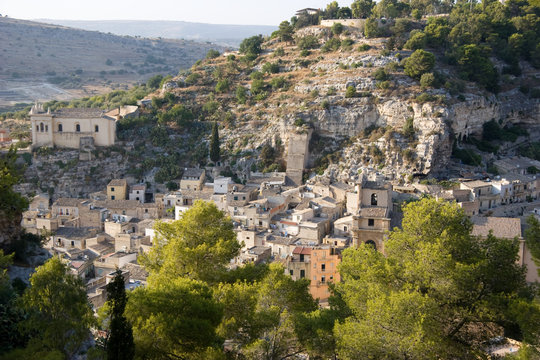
66	127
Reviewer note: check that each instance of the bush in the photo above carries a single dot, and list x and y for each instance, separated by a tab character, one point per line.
346	44
427	80
278	83
468	157
270	68
192	78
307	42
241	94
331	91
420	62
325	104
279	52
350	92
222	86
305	53
380	75
417	40
408	128
425	97
331	45
212	54
251	46
256	75
363	47
337	28
257	86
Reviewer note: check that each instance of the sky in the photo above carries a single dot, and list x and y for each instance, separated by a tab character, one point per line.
240	12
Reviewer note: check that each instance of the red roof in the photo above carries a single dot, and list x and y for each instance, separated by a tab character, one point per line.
302	250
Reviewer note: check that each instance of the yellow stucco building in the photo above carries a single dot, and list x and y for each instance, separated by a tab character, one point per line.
65	128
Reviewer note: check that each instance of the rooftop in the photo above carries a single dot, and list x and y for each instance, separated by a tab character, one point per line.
192	172
74	202
502	227
75	233
300	250
117	182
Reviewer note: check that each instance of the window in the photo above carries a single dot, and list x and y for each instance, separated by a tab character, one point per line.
235	198
41	127
146	211
123	212
112	197
96	128
137	199
374	199
112	189
301	257
371	222
323	267
345	228
78	128
72	243
372	243
302	274
59	127
291	272
323	279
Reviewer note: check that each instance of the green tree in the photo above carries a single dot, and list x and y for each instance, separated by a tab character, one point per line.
361	9
241	94
214	143
261	316
474	64
11	203
251	46
212	54
173	318
420	62
350	92
331	10
344	13
337	28
437	292
286	31
119	344
532	238
198	246
59	315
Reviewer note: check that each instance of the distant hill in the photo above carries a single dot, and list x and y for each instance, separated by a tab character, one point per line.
228	35
41	61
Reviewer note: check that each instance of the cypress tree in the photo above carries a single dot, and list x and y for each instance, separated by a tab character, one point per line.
120	345
214	144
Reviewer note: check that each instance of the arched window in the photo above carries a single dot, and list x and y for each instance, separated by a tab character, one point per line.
78	128
372	243
96	128
374	199
59	127
41	127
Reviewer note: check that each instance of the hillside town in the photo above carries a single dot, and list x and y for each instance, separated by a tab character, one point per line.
304	227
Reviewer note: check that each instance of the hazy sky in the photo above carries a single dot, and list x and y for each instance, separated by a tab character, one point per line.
252	12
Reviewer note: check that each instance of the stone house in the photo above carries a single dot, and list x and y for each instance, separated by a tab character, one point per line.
482	192
371	227
137	192
117	189
66	127
192	179
222	185
70	237
507	228
298	263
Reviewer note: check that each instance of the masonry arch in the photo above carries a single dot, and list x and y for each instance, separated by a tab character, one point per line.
78	127
372	243
60	128
41	127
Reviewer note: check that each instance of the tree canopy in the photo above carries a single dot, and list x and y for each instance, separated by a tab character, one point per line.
438	292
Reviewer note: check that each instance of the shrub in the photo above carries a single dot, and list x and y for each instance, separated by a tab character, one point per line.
416	41
346	44
270	68
279	52
380	75
350	92
278	82
331	45
325	104
305	53
257	86
241	94
420	62
363	47
307	42
222	86
212	54
337	28
408	128
256	75
299	122
192	78
331	91
425	97
427	80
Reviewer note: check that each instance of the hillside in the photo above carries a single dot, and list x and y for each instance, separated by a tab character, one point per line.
42	62
226	35
365	100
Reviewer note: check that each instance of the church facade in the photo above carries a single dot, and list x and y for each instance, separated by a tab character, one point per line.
65	128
